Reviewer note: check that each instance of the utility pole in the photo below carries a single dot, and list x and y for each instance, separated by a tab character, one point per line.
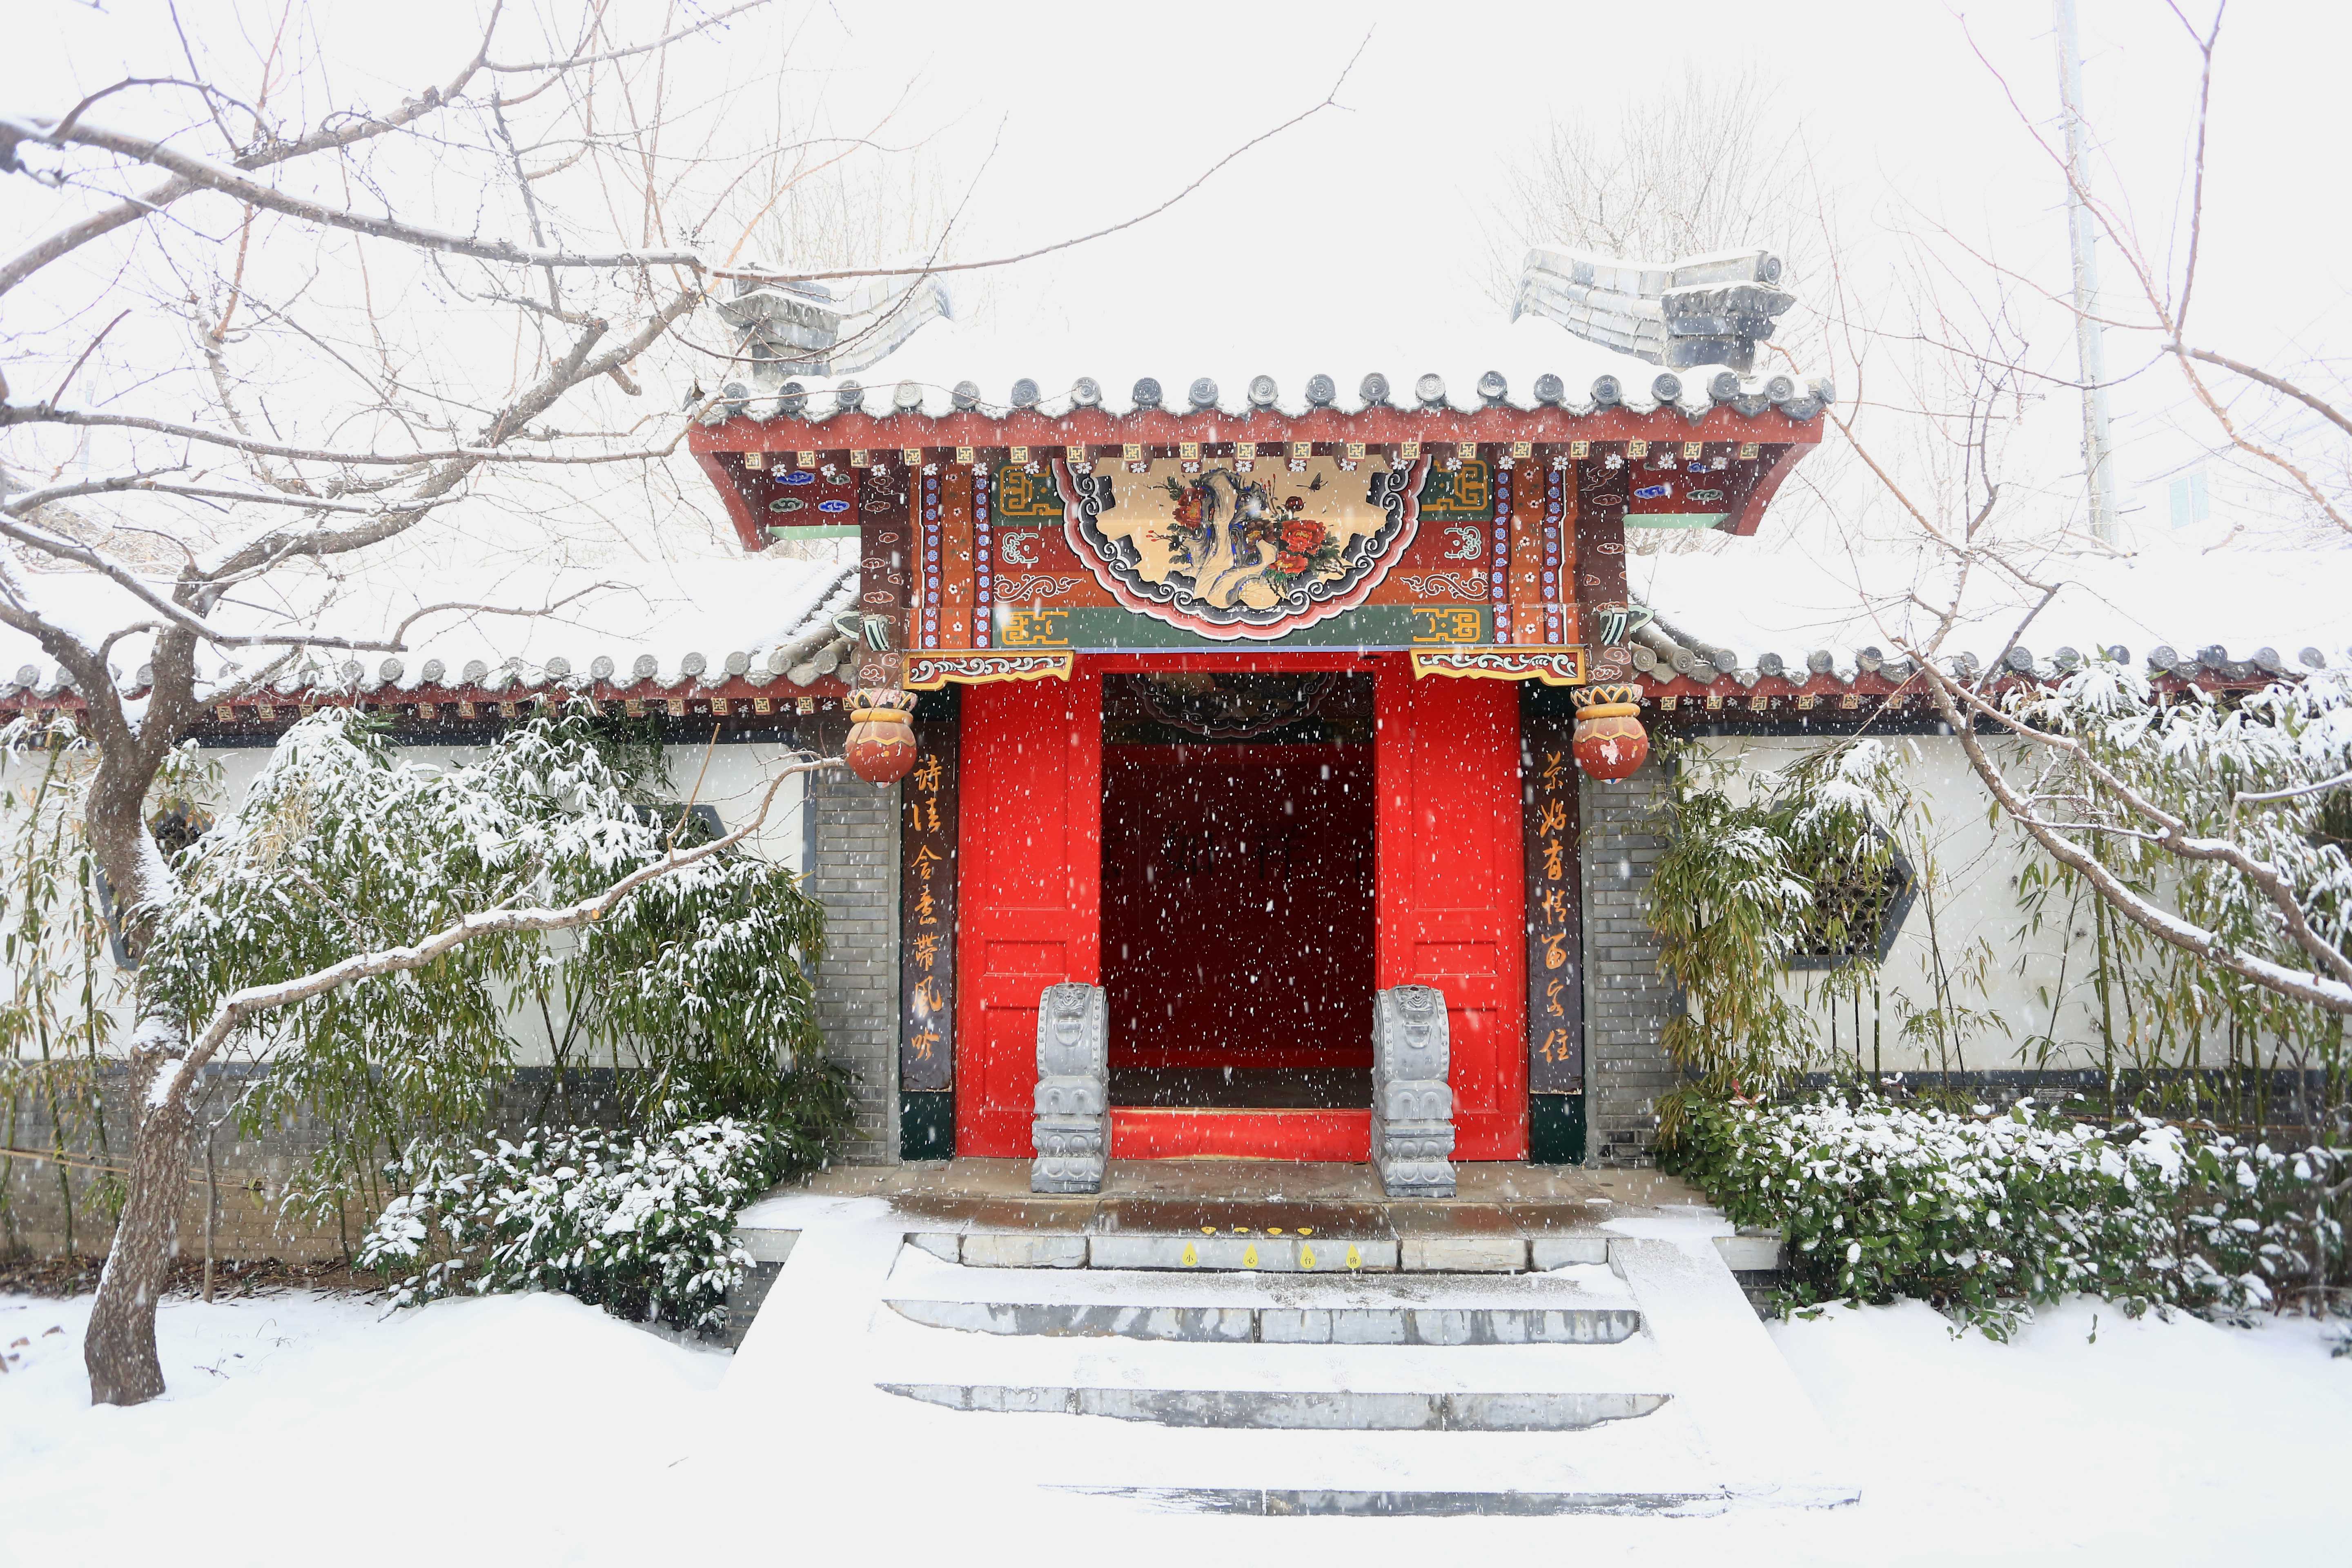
2090	349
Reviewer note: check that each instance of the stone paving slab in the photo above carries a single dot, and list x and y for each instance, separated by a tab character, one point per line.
1279	1217
1546	1253
1020	1249
1465	1254
1067	1217
1423	1217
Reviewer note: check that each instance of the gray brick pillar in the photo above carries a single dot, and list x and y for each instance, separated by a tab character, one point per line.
854	872
1626	1000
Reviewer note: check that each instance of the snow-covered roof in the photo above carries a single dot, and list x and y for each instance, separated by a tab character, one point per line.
1740	617
704	624
1140	360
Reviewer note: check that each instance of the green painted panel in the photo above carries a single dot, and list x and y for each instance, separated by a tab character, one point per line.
1464	493
1556	1129
927	1125
1016	495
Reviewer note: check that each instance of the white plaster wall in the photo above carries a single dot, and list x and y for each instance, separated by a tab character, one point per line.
1967	922
730	777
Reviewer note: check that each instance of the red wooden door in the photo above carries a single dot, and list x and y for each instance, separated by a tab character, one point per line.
1450	891
1029	895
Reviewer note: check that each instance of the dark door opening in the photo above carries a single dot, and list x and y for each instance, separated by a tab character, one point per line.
1237	890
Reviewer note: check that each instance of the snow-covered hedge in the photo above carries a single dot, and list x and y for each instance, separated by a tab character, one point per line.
640	1226
1987	1215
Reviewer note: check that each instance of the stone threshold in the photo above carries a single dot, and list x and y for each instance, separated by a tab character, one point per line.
1273	1217
1285	1251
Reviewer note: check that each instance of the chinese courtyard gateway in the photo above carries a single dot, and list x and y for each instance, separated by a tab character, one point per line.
1247	724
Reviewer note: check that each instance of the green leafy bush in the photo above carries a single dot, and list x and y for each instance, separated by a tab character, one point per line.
1758	868
639	1225
1987	1215
695	990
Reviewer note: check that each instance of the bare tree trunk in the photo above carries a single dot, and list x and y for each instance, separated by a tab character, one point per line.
120	1349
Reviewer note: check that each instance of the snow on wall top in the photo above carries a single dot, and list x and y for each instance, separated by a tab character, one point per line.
704	620
1745	616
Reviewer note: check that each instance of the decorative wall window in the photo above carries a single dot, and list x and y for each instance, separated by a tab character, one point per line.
1858	908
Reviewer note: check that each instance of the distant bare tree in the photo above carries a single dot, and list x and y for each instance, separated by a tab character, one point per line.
1705	162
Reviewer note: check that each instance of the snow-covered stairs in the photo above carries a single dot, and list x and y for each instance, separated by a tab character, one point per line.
1552	1344
1270	1352
1392	1393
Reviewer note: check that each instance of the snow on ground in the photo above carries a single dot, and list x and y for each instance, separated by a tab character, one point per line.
533	1430
298	1423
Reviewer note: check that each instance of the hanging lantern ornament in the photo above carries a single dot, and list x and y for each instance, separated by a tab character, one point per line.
1610	741
881	747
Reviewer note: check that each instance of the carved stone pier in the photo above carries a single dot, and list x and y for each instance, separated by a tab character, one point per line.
1412	1105
1072	1125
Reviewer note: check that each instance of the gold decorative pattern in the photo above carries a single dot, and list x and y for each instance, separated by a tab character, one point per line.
931	671
1553	667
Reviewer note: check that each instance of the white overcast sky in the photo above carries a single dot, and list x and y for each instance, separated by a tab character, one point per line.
1097	111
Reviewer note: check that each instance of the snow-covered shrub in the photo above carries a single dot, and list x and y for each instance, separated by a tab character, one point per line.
343	845
639	1225
2274	1220
1987	1215
2234	815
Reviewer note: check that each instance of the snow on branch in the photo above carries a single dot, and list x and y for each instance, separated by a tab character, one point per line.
2327	983
234	1010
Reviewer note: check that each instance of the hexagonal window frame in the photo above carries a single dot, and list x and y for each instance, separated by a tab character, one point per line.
1902	891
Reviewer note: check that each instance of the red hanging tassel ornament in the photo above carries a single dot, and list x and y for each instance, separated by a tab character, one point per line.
1610	741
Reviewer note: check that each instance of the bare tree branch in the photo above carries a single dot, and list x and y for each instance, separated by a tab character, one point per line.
573	62
43	414
2318	406
348	132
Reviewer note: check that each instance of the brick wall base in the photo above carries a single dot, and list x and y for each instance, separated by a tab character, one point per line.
854	873
248	1175
1626	1000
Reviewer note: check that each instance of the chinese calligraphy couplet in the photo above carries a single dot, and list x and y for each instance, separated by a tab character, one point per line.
927	900
1550	831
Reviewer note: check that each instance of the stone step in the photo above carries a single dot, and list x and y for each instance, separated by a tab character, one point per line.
1343	1325
1396	1352
1503	1300
1325	1410
1290	1502
1214	1251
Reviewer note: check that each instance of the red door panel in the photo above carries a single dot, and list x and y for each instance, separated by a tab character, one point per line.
1029	899
1451	890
